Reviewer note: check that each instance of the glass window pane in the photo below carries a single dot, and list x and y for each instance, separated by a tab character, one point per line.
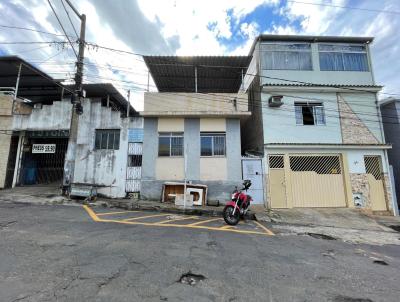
163	146
206	145
176	146
299	115
355	61
219	145
331	61
104	136
110	144
319	115
97	142
116	139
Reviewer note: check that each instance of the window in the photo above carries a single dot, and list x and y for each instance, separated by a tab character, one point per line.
107	139
309	114
286	56
343	57
170	144
134	160
212	144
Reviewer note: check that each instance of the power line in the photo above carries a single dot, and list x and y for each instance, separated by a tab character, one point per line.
69	18
31	29
62	27
346	7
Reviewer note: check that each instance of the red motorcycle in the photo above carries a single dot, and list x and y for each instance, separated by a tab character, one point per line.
239	204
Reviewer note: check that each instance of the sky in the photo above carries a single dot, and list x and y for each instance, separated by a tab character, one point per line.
188	27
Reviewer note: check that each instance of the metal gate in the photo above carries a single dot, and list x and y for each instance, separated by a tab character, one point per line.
252	169
277	185
317	181
43	168
373	167
134	168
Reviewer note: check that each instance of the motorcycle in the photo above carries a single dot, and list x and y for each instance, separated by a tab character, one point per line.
239	204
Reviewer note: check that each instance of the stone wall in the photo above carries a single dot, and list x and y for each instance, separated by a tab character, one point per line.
354	131
359	184
5	135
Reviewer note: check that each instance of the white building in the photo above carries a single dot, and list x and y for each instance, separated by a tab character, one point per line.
316	121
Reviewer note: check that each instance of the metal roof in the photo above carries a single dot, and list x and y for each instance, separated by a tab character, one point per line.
320	85
310	39
34	84
37	86
221	74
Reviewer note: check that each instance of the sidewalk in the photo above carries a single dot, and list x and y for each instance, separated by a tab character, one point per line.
349	225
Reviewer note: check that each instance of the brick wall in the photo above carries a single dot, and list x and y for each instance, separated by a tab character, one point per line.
354	131
5	137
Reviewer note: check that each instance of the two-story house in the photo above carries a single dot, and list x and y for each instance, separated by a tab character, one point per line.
316	121
192	124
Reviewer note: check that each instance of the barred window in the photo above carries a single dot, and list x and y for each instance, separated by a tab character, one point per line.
212	144
107	139
170	144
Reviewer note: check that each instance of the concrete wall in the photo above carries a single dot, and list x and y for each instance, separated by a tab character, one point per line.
5	134
50	117
391	124
279	123
316	75
103	168
220	173
193	102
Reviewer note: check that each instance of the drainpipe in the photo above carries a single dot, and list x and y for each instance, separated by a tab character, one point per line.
129	103
16	86
21	140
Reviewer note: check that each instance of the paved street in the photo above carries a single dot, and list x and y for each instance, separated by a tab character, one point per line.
61	253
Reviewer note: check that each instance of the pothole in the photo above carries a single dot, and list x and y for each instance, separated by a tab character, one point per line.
320	236
191	279
350	299
381	262
395	227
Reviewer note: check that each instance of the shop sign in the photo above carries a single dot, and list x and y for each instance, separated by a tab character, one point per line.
44	148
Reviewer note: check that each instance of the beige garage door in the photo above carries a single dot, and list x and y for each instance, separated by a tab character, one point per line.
317	181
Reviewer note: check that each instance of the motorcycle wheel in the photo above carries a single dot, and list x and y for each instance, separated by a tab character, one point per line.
229	217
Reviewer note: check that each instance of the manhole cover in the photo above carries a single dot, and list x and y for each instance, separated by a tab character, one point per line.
395	227
321	236
350	299
191	279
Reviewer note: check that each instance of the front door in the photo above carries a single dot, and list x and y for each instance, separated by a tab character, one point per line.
277	186
252	169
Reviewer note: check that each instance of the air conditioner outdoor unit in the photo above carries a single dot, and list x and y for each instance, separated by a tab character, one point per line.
275	101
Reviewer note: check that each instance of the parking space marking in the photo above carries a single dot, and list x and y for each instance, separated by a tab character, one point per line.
268	231
115	213
178	219
203	221
93	215
144	217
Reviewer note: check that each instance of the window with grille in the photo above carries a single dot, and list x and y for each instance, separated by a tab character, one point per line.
107	139
170	144
212	144
329	164
309	113
276	162
340	57
286	56
373	166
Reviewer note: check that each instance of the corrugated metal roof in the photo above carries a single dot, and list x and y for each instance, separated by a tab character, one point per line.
214	73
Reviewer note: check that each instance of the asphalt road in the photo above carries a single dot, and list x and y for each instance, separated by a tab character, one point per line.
58	253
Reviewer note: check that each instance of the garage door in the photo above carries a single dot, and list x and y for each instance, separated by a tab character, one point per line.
317	181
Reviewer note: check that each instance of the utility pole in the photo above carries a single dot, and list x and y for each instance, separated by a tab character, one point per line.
77	109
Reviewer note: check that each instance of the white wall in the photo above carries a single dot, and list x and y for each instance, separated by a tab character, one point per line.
104	168
279	123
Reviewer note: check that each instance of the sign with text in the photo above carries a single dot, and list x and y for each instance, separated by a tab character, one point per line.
44	148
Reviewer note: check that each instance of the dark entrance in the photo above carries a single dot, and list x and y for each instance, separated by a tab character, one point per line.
43	158
11	161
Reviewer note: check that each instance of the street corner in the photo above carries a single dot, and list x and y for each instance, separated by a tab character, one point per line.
169	220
